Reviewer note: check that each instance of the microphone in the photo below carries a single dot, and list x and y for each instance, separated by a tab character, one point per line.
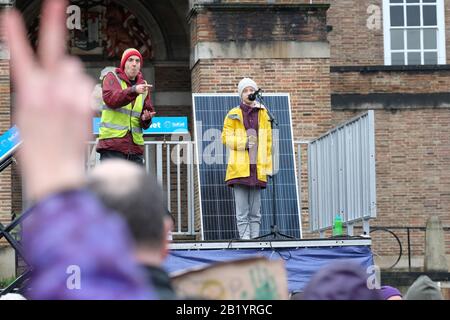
252	96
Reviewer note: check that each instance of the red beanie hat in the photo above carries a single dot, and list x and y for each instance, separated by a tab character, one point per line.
128	53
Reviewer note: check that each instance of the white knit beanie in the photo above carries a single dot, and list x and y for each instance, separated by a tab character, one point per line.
244	83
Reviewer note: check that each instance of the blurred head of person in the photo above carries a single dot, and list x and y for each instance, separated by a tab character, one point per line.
341	280
126	188
390	293
424	289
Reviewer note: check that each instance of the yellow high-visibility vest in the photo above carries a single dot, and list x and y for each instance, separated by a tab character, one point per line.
115	123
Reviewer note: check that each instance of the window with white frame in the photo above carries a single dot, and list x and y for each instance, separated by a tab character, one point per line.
414	32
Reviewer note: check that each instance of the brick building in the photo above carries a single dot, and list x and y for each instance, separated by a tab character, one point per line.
336	58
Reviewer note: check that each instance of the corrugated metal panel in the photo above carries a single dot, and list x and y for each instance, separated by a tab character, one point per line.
342	177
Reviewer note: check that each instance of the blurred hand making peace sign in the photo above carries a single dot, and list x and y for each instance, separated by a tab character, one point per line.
52	108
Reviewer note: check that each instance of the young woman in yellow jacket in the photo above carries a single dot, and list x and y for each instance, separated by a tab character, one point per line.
248	135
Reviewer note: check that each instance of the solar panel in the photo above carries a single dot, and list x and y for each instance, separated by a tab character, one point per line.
216	198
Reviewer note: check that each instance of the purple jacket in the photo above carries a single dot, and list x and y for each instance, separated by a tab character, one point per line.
80	250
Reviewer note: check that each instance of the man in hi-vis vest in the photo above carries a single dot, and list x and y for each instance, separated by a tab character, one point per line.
127	110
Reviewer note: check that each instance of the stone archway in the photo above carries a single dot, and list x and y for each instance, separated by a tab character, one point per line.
126	19
152	27
143	16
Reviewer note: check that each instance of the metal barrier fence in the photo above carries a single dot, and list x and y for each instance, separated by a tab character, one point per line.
341	172
10	233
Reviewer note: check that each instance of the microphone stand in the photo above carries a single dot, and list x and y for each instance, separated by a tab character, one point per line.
274	230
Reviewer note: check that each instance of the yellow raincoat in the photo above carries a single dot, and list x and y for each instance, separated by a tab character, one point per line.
234	136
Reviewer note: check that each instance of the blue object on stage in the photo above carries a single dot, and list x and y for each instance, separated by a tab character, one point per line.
9	142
